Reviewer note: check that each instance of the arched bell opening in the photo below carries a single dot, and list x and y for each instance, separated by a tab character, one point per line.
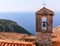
44	23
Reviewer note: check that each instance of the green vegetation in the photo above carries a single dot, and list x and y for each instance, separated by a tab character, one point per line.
11	26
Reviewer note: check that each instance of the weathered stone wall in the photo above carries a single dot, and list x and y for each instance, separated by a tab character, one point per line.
44	38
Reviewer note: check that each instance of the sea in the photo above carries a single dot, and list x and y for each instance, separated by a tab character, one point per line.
28	19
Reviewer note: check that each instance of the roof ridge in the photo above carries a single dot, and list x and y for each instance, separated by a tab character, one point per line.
45	10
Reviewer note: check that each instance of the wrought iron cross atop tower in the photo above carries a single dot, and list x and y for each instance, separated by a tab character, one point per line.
44	3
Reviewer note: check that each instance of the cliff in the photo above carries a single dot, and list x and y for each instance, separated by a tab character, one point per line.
11	26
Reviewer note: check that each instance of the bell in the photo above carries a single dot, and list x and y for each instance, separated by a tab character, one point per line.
44	24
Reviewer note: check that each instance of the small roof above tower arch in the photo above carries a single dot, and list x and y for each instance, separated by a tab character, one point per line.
44	11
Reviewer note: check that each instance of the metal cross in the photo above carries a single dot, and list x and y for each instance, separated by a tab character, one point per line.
44	3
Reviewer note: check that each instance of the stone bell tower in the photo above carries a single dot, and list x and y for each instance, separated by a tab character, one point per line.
44	22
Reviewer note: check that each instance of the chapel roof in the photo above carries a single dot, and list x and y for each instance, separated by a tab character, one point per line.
44	11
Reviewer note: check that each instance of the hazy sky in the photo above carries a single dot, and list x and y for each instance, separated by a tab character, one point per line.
27	5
